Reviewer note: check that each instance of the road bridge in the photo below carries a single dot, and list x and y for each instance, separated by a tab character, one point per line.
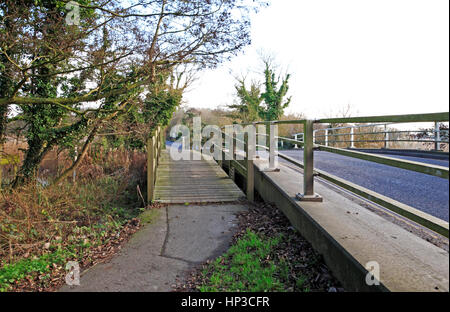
343	230
427	193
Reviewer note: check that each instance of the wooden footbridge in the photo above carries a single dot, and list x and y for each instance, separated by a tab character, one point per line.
193	181
186	181
327	211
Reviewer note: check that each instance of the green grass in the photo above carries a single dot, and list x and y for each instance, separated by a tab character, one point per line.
18	271
248	266
40	266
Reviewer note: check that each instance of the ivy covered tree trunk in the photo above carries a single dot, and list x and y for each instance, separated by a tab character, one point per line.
41	118
5	82
30	165
4	87
5	74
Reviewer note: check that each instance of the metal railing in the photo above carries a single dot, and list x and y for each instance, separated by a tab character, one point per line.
309	172
388	135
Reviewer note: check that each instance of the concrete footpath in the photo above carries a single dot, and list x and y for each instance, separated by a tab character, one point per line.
177	239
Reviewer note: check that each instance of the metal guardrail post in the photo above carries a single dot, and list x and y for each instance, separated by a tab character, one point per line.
257	136
272	144
223	151
249	154
233	156
352	137
326	137
308	160
437	136
219	158
386	137
231	169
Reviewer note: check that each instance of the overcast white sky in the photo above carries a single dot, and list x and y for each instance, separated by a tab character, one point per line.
380	56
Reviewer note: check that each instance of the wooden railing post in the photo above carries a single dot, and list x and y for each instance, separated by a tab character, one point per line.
159	144
150	169
249	154
155	157
163	138
308	161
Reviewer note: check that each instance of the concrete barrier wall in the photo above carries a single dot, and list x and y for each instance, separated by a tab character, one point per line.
346	269
349	236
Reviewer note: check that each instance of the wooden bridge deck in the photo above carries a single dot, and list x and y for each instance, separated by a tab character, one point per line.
193	181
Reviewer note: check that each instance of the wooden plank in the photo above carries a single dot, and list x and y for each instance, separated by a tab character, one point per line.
193	181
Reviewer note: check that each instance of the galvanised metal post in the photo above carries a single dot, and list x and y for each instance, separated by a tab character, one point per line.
386	137
220	158
352	137
257	139
228	155
308	162
326	137
234	145
223	149
231	169
437	136
272	145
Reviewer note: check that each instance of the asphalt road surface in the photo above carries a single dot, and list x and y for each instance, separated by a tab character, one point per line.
424	192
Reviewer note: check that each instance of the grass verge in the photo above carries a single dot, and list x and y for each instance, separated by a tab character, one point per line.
266	254
249	265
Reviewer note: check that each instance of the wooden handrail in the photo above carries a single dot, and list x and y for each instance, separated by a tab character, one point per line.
154	148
